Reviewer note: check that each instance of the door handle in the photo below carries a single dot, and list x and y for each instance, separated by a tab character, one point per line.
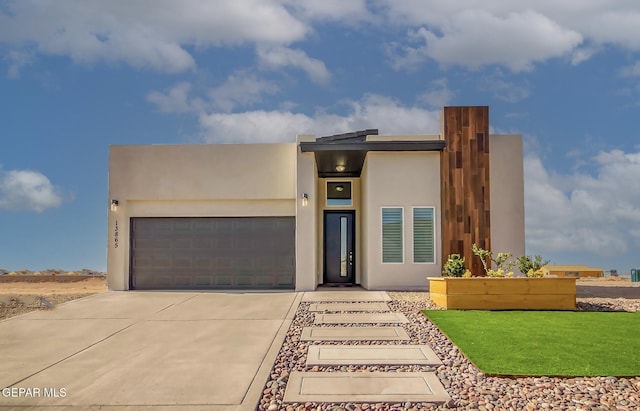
350	257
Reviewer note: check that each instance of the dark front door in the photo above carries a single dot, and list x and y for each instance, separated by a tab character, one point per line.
339	247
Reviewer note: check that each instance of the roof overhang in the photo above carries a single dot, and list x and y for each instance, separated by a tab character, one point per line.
351	155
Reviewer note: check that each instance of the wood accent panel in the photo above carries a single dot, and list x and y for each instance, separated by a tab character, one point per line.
504	293
464	170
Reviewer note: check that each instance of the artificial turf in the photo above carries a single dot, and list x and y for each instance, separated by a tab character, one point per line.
550	343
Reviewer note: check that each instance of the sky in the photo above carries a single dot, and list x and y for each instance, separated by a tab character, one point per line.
79	75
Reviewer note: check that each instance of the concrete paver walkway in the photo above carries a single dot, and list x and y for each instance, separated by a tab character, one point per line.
361	386
349	307
364	387
353	333
364	318
371	354
349	296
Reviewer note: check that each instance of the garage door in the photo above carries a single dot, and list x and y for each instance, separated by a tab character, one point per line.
213	253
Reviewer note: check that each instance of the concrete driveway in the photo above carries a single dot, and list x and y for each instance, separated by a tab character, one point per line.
136	350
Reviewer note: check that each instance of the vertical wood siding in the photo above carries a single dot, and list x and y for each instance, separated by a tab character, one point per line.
465	183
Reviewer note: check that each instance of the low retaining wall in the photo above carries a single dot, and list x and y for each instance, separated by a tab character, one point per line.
519	293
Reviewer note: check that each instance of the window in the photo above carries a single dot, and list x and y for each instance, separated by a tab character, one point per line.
392	235
339	193
423	235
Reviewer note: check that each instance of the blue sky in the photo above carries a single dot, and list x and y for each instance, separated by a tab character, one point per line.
77	76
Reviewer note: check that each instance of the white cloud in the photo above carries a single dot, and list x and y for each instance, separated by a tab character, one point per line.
503	89
372	111
477	38
161	34
144	33
27	190
514	34
17	60
176	100
581	212
632	70
438	95
241	89
582	54
333	10
279	57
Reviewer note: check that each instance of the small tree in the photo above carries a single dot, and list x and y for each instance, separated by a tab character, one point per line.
503	265
531	266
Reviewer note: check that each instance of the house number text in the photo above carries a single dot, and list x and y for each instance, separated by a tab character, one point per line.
115	236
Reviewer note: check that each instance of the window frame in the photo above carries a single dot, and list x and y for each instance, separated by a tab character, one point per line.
402	245
413	235
326	193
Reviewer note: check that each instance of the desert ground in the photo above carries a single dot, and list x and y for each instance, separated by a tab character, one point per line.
21	297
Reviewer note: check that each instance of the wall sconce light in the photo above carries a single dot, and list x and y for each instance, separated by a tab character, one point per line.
305	200
340	168
114	205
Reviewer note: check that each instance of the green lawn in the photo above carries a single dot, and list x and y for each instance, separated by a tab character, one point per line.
551	343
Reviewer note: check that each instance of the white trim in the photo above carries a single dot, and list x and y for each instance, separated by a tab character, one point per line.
401	235
435	243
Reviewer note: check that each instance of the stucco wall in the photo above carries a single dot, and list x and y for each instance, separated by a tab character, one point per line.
507	194
363	229
202	171
194	181
392	179
306	223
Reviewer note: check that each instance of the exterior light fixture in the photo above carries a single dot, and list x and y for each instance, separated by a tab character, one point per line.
340	168
114	205
305	200
339	188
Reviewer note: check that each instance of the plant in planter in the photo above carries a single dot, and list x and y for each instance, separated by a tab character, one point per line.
503	265
455	267
491	292
531	266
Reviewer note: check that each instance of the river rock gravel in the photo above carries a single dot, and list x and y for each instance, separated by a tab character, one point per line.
469	388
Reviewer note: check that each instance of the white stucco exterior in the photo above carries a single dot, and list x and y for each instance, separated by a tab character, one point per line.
194	181
507	194
406	180
269	180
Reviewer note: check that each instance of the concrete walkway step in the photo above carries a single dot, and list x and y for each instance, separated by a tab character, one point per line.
364	387
365	318
349	307
353	333
371	355
345	296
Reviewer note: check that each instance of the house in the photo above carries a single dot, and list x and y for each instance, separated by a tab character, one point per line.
578	271
380	211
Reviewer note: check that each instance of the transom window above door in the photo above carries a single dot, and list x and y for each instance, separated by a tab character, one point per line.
339	193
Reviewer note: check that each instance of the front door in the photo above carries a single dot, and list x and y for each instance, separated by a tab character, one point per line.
339	247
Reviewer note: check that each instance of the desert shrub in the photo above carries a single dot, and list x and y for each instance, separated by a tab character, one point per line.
454	267
503	267
531	266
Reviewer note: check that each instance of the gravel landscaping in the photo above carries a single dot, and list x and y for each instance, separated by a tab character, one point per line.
467	386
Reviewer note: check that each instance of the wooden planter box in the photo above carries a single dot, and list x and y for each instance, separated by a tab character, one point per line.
518	293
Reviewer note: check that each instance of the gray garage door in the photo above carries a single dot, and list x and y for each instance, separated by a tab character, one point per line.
213	253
